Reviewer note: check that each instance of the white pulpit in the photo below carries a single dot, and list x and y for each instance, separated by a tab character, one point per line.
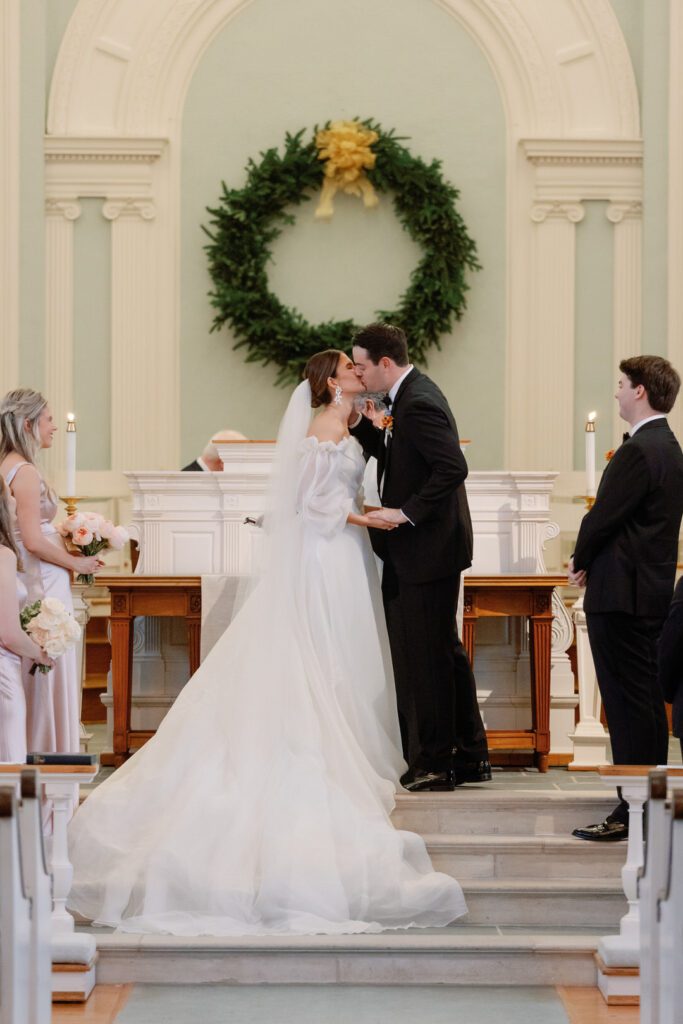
194	524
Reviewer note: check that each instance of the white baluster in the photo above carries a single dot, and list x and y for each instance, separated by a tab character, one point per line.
589	738
39	888
15	918
651	881
671	922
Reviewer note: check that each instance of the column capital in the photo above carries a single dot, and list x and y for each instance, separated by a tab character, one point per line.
130	207
68	209
558	210
622	209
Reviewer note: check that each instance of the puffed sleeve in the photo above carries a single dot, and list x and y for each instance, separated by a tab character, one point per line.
323	499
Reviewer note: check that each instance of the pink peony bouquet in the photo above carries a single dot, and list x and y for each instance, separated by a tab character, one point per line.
91	533
51	626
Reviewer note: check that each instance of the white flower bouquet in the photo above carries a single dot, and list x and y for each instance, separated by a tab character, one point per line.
90	533
51	626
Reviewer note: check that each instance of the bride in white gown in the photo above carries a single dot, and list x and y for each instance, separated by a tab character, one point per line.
261	805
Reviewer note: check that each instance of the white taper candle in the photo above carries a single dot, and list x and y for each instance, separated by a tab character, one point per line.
70	455
590	455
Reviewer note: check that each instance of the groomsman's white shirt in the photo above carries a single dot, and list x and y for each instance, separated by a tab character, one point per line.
658	416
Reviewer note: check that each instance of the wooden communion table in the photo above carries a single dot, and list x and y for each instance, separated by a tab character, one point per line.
181	596
168	596
532	597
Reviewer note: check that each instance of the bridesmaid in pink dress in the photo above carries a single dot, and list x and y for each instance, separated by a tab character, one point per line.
15	644
52	701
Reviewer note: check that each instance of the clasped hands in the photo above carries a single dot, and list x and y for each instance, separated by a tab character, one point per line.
579	579
384	518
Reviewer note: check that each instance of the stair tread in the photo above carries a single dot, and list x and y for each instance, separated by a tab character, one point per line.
496	842
411	940
465	797
539	886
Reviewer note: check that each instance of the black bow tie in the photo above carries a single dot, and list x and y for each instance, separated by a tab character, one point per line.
387	400
626	436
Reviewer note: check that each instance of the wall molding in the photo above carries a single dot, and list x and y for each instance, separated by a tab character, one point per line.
10	119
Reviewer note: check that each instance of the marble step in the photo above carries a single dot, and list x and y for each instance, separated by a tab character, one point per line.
524	857
569	902
478	810
451	956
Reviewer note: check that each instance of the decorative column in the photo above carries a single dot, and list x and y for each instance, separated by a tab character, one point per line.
60	215
627	218
550	439
589	738
675	205
136	410
9	193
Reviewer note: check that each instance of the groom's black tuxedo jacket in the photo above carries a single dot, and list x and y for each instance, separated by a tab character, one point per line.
628	542
422	471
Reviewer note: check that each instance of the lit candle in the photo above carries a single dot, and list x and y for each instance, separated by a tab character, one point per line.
70	455
590	455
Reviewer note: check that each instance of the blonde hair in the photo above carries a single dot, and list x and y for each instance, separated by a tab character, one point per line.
6	532
19	409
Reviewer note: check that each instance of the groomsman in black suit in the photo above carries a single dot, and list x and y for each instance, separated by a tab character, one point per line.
420	474
626	556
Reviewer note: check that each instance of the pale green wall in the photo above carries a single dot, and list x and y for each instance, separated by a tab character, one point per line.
295	62
31	206
595	376
655	112
285	64
645	24
43	23
92	335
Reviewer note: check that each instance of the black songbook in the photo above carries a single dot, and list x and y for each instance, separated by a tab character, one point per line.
75	759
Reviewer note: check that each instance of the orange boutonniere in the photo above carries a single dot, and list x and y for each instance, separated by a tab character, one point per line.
609	455
387	423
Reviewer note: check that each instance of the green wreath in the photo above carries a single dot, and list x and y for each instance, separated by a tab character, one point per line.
248	220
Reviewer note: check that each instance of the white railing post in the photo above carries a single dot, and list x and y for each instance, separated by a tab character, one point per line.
589	737
39	889
15	918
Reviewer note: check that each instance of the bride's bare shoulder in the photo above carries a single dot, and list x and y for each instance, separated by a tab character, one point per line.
325	428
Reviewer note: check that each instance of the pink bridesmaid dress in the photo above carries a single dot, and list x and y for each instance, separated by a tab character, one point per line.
12	701
52	700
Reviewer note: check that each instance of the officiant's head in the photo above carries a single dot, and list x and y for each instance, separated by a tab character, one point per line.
380	353
332	375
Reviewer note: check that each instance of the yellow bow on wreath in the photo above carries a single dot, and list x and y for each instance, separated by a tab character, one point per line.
345	146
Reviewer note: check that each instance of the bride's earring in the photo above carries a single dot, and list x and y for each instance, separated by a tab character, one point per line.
337	395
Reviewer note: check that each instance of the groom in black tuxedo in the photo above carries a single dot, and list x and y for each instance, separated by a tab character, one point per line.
626	555
420	474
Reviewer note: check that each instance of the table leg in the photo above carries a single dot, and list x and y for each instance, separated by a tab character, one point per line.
469	622
194	633
540	649
121	674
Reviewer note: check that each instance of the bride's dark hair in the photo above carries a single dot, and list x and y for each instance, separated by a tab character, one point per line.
317	370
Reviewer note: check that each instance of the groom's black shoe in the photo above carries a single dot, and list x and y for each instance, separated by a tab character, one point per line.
422	780
606	832
477	771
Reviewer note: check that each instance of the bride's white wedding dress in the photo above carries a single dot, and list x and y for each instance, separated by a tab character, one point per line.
261	805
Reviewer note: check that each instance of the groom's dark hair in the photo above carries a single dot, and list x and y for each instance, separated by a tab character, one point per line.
380	340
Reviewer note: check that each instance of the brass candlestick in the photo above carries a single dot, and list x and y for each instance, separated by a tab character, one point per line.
71	504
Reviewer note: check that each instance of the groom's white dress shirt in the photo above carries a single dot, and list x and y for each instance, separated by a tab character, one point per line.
393	391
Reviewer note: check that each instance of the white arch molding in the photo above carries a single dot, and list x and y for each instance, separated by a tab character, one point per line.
569	94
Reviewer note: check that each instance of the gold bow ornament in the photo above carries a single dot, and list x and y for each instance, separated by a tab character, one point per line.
345	148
